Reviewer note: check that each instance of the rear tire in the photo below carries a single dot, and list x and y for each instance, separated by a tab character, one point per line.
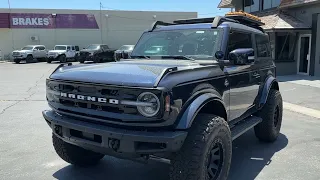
49	60
81	61
75	155
206	152
271	113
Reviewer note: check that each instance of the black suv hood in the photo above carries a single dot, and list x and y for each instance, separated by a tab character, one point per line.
141	73
88	50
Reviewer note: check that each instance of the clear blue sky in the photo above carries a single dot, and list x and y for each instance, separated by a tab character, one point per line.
204	8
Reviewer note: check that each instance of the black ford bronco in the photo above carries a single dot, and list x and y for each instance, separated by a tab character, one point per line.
207	82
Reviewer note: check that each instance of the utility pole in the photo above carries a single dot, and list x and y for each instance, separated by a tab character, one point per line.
12	37
101	22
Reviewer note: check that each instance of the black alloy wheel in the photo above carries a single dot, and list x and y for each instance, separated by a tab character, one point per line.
215	161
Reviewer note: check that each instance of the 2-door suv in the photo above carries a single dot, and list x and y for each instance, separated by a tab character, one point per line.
97	53
29	53
63	53
212	80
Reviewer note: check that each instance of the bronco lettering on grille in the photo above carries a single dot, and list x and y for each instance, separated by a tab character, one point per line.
89	98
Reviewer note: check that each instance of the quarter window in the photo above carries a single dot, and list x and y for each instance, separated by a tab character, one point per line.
263	46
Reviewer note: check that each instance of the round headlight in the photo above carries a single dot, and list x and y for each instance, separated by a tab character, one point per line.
150	104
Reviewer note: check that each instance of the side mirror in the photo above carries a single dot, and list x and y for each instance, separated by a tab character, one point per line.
242	56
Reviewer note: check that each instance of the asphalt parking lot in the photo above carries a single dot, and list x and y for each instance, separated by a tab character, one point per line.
26	151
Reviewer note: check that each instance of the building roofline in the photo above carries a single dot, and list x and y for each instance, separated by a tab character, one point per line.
297	4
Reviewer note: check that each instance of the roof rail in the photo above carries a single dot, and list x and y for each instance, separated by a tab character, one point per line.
216	21
161	23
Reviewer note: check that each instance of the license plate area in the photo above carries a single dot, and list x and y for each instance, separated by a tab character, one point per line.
86	136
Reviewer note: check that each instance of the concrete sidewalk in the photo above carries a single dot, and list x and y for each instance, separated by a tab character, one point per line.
305	80
303	91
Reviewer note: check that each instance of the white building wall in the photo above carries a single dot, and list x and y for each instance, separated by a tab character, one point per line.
118	28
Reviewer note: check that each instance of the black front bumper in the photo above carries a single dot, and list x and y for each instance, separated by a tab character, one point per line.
113	141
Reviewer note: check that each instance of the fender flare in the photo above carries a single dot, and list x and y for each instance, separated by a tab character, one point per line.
190	113
266	89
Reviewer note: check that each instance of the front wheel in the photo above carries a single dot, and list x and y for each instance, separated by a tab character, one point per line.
62	59
29	59
17	61
271	113
75	155
206	153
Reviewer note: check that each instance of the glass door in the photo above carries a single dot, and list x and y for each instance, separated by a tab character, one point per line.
304	54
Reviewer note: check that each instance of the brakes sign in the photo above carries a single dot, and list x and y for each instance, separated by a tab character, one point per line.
30	21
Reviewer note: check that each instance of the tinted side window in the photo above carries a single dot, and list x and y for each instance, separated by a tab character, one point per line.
68	47
239	40
42	48
105	47
263	48
77	48
73	48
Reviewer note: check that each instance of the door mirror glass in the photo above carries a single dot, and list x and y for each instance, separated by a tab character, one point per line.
242	56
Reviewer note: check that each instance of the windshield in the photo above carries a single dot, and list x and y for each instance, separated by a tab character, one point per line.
93	47
193	44
126	48
27	48
60	47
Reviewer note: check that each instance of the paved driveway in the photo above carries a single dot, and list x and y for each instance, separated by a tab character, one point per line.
26	150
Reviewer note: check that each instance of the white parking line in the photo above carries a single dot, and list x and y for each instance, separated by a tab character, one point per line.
302	110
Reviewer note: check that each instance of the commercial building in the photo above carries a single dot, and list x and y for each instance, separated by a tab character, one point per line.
294	30
20	27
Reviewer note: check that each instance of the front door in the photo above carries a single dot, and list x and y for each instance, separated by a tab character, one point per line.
304	52
243	80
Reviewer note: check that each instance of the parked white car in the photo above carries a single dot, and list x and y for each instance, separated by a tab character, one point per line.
29	53
63	53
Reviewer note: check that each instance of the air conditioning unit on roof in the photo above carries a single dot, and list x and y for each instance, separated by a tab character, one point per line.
34	38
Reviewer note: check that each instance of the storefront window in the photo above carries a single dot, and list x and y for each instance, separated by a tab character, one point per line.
285	46
251	5
267	4
257	5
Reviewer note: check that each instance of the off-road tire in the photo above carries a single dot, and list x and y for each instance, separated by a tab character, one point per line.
81	61
62	59
268	130
29	59
75	155
190	163
49	60
17	61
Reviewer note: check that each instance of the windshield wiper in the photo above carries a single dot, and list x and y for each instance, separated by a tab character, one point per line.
178	57
141	57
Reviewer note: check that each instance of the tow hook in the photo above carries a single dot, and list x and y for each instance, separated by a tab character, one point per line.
114	144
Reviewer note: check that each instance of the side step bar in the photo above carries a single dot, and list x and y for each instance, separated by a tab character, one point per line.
244	126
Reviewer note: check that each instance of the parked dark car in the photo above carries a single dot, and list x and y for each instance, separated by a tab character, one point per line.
207	82
123	52
97	53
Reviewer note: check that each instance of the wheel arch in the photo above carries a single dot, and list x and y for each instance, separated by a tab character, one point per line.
209	103
270	83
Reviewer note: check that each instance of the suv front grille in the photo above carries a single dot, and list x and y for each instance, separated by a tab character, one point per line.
15	53
93	91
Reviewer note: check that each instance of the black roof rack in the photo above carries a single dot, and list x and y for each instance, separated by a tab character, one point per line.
216	21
